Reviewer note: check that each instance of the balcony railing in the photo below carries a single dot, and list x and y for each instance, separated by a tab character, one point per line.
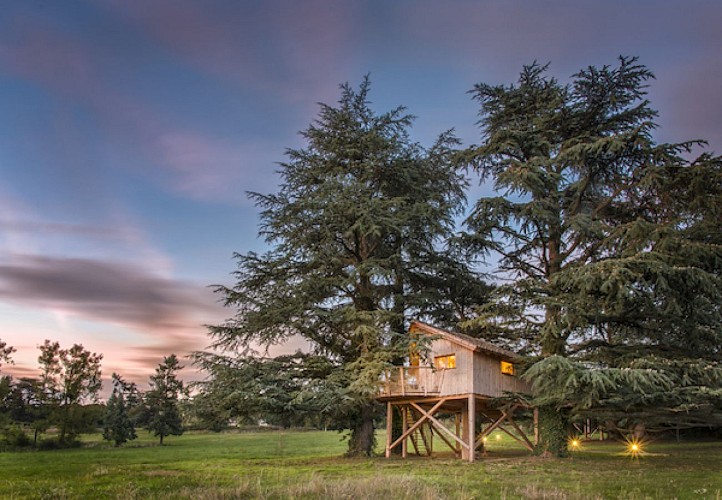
411	381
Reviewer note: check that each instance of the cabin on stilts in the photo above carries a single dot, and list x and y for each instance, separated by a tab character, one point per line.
462	378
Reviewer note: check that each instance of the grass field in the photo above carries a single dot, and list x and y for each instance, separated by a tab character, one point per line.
309	465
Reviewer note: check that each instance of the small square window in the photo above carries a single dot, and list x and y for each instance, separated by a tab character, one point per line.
507	368
445	362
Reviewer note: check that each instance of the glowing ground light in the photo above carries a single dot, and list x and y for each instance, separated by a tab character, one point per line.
575	443
635	448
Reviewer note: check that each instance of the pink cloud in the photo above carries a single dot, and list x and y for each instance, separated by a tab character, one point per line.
114	292
188	161
204	167
139	316
289	50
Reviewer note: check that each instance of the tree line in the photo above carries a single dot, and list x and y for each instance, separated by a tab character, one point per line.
64	398
605	245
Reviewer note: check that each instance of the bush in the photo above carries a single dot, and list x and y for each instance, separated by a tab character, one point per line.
56	444
14	437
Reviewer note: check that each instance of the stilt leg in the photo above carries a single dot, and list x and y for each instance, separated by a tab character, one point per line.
389	427
472	427
404	427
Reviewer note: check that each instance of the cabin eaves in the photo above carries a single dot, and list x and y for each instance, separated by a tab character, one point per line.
465	341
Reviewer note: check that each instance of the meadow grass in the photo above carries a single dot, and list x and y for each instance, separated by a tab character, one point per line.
310	465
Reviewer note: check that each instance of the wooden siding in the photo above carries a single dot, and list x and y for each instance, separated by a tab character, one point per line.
453	380
489	381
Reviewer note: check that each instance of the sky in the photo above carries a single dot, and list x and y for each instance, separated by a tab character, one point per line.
132	130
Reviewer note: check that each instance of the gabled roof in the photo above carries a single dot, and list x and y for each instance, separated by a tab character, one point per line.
466	341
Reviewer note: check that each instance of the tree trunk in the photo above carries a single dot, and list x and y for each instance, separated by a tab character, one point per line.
362	439
639	431
64	423
161	439
553	426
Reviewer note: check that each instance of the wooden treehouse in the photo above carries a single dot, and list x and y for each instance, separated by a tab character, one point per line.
462	377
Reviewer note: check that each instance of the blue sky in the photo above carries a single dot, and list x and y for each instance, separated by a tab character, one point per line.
131	131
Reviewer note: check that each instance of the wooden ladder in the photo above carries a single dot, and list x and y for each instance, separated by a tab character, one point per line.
421	437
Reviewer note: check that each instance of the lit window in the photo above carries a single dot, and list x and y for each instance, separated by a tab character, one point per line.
507	368
414	360
444	362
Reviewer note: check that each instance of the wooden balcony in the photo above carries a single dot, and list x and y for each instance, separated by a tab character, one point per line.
411	381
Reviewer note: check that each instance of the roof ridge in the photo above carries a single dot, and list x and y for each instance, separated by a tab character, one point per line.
472	342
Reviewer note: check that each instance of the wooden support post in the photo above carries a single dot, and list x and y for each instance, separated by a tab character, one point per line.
404	427
389	427
536	426
472	427
457	422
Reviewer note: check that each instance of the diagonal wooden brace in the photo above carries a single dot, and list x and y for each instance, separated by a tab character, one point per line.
418	424
527	444
497	423
439	425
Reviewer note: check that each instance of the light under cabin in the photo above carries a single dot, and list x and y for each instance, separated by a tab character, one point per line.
460	376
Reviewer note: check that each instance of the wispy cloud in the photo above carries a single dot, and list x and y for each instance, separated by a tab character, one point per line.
280	48
160	315
114	292
186	159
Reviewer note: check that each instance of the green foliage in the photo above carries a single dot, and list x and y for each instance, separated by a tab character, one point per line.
69	377
290	390
161	414
612	242
25	405
5	352
357	234
13	436
117	424
553	431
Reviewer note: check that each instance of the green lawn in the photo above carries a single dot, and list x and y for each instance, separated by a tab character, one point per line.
309	465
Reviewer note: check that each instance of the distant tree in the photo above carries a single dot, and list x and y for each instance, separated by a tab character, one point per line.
609	246
5	391
161	412
25	405
358	236
117	424
5	383
69	377
5	352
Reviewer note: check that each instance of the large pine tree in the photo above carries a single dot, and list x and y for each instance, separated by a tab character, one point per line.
610	245
356	234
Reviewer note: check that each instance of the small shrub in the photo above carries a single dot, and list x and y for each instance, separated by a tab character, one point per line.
14	437
56	444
